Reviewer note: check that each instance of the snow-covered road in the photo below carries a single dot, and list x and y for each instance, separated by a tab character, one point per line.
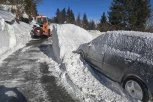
25	75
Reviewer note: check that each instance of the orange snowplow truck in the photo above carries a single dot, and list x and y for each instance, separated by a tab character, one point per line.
41	28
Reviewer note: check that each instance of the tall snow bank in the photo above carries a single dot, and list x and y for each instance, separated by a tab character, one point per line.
7	36
77	76
12	35
4	36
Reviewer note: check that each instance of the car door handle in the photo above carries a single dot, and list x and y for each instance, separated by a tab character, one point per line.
128	60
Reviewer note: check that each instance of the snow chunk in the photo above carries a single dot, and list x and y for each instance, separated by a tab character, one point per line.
25	15
7	16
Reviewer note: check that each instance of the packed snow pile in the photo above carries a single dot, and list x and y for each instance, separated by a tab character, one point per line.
78	77
12	35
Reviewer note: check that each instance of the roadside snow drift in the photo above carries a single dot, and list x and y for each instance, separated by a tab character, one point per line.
7	39
78	77
12	35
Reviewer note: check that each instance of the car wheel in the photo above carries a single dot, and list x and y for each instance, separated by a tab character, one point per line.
136	89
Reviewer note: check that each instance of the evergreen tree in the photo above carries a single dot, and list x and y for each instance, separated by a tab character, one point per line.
57	14
78	20
59	17
138	12
72	18
129	14
85	22
92	25
116	14
103	25
68	15
103	18
28	6
64	15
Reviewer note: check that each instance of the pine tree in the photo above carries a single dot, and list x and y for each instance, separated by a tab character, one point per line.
92	25
59	18
68	15
103	25
78	21
64	15
116	14
72	18
149	23
129	14
138	13
85	22
103	18
57	14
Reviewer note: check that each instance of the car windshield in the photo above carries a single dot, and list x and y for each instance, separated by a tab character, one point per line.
41	20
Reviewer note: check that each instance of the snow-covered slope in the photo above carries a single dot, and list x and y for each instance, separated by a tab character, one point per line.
78	77
12	36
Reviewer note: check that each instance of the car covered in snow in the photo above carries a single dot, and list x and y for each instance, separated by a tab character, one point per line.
125	57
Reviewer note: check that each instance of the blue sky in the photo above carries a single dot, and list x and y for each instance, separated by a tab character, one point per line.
93	8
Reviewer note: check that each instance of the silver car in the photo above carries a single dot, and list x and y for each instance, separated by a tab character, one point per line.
125	58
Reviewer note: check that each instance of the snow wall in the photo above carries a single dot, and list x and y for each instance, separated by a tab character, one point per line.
12	35
7	36
76	75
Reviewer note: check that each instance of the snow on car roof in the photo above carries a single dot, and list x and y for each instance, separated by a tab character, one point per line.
132	33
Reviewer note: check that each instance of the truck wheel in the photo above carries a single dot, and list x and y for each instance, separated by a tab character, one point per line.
38	31
49	33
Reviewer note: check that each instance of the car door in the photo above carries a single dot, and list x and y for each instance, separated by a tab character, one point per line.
95	54
117	56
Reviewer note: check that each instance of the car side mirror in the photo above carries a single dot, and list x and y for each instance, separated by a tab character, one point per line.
90	44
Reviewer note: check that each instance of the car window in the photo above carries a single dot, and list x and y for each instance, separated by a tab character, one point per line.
110	40
148	49
138	46
44	20
98	43
121	42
